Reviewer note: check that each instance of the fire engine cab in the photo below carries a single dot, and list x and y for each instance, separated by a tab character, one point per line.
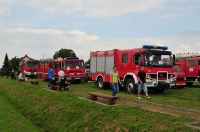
180	76
30	68
191	67
72	66
156	60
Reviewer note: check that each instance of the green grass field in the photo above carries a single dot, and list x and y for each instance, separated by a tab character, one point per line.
37	109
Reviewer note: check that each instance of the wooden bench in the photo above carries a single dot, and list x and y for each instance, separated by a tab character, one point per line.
53	87
58	88
110	100
34	82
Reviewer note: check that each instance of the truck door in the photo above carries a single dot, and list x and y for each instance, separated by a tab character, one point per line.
191	68
137	61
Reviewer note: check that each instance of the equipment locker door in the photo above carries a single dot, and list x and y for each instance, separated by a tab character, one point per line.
124	63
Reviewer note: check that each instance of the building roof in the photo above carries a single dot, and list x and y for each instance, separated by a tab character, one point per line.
25	58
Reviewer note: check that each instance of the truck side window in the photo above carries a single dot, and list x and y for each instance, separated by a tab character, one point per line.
137	59
199	62
124	58
191	62
52	65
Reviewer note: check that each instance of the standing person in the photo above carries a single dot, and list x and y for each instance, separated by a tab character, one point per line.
114	79
142	83
61	74
50	73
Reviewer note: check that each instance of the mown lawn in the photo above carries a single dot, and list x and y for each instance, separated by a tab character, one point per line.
64	111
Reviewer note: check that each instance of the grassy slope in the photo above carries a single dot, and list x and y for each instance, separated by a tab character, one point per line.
11	120
64	111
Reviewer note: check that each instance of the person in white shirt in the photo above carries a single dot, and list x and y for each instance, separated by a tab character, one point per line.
21	77
61	74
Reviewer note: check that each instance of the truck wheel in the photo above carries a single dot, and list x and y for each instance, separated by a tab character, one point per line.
189	84
78	81
130	86
100	83
161	88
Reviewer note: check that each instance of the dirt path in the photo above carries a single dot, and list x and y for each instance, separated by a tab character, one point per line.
167	109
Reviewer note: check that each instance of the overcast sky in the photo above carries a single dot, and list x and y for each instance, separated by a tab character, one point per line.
39	28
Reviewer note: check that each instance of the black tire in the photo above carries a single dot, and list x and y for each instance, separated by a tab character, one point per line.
86	78
100	83
189	84
130	86
161	88
78	81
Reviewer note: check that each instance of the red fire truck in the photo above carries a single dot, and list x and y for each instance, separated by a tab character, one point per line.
191	67
180	76
30	67
158	63
72	66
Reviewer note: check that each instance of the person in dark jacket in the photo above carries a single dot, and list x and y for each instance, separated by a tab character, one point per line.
54	82
64	83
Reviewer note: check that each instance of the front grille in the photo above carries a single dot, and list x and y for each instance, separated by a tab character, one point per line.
162	75
32	70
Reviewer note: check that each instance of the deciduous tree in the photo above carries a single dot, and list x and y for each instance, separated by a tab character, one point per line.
64	53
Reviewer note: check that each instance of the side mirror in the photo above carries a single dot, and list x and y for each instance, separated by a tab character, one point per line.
174	59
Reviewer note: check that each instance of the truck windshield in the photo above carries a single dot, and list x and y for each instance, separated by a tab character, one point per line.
157	60
32	63
73	64
177	68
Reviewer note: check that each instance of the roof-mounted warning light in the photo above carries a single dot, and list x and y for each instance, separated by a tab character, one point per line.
71	58
155	47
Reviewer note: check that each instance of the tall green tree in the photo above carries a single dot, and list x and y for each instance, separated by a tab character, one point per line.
6	64
14	63
64	53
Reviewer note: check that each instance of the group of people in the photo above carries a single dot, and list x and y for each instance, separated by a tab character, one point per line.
114	79
59	79
20	76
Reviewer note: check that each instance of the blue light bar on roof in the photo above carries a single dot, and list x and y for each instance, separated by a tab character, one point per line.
71	58
155	47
